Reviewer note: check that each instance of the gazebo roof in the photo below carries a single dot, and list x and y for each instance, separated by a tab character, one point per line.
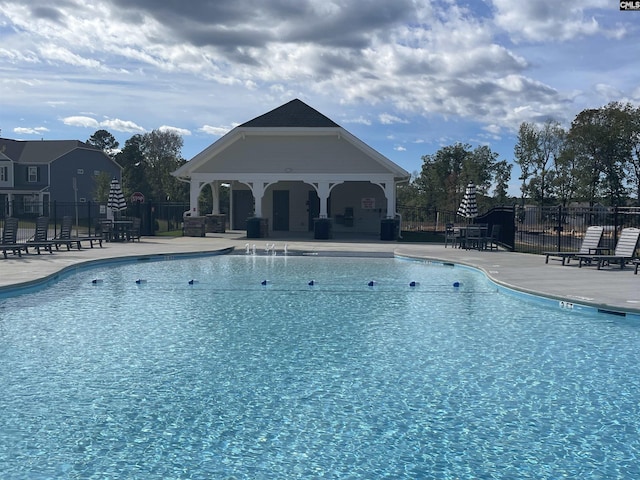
295	113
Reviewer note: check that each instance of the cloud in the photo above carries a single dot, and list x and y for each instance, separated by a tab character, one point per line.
79	121
399	148
110	124
545	20
215	131
30	131
179	131
388	119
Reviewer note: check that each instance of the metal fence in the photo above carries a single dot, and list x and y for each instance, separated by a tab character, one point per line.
529	229
560	229
157	218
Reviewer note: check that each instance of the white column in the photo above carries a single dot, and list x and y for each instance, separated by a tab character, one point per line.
324	190
257	189
194	192
215	193
390	192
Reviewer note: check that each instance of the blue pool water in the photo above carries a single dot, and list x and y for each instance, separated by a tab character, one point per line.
229	378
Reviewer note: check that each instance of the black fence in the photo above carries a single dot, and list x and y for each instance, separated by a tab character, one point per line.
156	219
529	229
560	229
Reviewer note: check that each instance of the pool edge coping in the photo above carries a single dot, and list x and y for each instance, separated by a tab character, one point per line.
562	302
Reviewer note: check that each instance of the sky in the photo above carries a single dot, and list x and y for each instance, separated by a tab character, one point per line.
407	77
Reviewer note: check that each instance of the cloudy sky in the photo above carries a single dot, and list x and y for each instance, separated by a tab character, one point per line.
405	76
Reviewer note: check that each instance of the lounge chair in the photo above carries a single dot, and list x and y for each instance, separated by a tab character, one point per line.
40	239
589	246
624	252
9	238
65	237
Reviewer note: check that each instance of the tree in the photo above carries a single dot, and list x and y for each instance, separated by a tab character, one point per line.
102	183
536	151
602	142
161	156
104	141
134	168
634	161
502	177
445	175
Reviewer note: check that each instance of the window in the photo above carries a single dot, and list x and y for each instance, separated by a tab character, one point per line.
4	174
33	174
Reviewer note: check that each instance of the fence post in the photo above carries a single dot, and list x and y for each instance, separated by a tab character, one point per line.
615	224
89	222
559	235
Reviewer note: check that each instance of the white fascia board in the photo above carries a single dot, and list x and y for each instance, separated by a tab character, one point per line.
292	177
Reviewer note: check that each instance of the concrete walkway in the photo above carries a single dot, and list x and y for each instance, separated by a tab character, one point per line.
610	288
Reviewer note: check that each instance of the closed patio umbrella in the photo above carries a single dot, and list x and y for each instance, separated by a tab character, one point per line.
468	206
116	201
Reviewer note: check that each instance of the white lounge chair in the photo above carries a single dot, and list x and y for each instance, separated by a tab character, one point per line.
590	244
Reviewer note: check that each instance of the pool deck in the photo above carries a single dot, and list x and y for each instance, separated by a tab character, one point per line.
609	289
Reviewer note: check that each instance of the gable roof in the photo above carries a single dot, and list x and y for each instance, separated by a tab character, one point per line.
293	119
295	113
39	151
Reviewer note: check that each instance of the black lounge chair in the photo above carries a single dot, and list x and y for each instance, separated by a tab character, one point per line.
9	238
590	246
40	238
65	237
624	252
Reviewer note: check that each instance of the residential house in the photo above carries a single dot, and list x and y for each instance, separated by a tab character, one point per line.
34	173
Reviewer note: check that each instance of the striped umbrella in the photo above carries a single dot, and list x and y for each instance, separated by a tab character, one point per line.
116	200
468	206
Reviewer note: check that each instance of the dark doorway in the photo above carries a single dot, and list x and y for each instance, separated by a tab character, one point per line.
242	208
281	210
313	207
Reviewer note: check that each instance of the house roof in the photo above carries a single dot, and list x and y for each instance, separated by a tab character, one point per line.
295	113
38	151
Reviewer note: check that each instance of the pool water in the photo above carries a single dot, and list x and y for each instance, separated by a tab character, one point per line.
230	378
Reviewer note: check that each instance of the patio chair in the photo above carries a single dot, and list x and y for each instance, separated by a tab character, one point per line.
134	231
40	239
624	252
492	239
590	245
65	237
104	229
450	235
9	238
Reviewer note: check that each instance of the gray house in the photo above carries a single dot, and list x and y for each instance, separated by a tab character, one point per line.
36	172
293	166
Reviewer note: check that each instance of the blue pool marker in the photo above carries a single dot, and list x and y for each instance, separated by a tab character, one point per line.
414	284
193	282
371	283
311	283
456	284
140	281
97	281
264	282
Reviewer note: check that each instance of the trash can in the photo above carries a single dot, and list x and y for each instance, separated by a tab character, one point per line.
388	229
322	228
257	227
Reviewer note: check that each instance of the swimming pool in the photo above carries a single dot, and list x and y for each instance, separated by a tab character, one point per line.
230	378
